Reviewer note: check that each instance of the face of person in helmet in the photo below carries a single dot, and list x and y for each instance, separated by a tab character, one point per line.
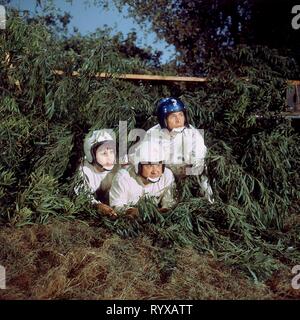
105	156
152	171
175	120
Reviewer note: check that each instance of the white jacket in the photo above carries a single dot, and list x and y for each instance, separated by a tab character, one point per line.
184	151
127	188
96	184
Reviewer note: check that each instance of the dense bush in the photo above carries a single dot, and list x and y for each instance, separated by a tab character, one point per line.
253	156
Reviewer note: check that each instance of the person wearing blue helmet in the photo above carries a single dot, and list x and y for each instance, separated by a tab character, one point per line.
171	114
182	143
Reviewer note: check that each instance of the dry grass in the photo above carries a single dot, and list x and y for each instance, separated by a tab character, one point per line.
70	260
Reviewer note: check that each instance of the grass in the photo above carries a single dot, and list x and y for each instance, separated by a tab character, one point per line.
71	260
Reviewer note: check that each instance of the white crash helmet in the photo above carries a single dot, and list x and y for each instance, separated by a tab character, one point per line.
93	139
148	152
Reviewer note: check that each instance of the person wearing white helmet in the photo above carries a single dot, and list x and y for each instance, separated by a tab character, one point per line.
183	144
98	169
147	176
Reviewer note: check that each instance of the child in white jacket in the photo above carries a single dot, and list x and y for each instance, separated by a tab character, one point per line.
146	177
98	169
183	144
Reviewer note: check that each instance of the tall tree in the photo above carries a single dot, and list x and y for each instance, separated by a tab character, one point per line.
200	28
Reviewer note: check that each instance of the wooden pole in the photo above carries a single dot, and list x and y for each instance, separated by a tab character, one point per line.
149	77
133	76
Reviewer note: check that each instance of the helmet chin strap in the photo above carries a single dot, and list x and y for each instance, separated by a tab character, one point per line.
178	130
108	168
104	168
153	180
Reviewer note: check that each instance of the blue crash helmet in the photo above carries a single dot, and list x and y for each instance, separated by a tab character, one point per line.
165	106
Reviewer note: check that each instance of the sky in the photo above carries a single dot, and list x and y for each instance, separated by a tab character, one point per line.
87	18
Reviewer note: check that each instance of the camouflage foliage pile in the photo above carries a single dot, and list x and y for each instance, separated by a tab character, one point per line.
254	153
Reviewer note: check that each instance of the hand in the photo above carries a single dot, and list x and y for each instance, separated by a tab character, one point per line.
106	210
132	212
163	210
210	199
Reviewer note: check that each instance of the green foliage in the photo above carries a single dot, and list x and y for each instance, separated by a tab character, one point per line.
57	152
201	29
253	160
40	200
